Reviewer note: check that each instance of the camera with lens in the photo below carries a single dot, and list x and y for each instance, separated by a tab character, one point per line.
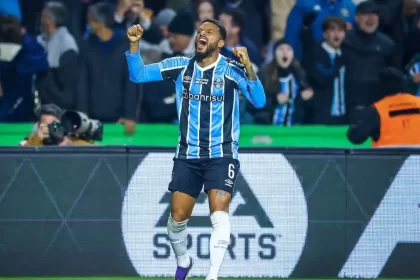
77	125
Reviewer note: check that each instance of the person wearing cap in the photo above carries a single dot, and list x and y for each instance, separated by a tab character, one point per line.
392	121
181	31
368	51
129	12
163	19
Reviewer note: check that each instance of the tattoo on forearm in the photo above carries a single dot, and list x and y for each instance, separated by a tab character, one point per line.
220	193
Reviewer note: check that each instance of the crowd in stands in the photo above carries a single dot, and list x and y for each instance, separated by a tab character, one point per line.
319	60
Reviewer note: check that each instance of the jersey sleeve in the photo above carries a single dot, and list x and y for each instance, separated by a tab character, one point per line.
166	69
251	89
170	68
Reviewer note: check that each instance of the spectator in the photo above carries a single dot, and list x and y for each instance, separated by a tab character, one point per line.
326	70
130	12
233	20
181	36
58	84
151	53
206	9
286	88
392	121
310	14
398	19
413	81
368	52
163	19
21	57
180	39
159	106
257	29
406	31
105	92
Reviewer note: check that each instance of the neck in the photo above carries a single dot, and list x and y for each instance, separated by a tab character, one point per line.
105	34
331	46
209	60
232	41
51	30
364	34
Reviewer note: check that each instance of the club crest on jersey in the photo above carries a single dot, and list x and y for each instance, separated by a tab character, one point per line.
218	83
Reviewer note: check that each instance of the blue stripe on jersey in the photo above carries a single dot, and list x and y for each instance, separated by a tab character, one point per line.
179	89
279	113
216	112
284	113
235	125
217	108
193	150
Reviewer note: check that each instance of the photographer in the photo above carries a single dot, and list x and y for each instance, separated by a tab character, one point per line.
50	130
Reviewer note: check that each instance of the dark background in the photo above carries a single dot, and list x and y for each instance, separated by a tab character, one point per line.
60	208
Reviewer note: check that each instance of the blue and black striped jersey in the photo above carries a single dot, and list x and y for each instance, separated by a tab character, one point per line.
207	101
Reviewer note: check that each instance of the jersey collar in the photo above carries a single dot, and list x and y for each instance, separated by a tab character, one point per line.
208	67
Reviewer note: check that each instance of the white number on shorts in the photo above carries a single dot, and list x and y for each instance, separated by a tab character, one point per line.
231	172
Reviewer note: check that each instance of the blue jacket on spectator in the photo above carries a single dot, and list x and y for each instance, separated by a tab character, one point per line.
10	8
322	9
17	103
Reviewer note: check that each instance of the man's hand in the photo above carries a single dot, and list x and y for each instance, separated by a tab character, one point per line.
242	54
134	34
66	142
129	125
282	98
43	131
123	6
416	78
307	94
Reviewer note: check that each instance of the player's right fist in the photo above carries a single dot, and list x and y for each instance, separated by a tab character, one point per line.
134	33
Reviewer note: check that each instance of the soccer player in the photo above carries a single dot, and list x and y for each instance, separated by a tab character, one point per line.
207	88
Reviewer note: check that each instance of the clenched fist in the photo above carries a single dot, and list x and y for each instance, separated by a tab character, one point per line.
242	54
134	33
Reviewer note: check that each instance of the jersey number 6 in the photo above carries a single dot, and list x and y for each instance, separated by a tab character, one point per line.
231	171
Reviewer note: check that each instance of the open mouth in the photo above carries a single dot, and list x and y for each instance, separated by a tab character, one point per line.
202	43
285	59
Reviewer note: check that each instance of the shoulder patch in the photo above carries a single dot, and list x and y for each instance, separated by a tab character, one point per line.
236	63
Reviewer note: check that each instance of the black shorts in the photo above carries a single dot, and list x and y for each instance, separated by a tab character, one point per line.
190	175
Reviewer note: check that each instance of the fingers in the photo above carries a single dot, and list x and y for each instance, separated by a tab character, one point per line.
135	30
139	29
240	51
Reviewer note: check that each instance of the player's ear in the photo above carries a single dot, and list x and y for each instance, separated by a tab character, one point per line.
221	44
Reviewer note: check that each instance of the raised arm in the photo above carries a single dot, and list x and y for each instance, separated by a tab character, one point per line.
248	82
139	72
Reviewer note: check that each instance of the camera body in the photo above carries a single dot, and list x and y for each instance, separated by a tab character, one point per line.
74	124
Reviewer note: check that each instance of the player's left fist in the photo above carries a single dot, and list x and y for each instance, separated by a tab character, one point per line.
242	54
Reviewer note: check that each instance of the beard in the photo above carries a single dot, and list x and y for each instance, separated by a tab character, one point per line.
209	51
